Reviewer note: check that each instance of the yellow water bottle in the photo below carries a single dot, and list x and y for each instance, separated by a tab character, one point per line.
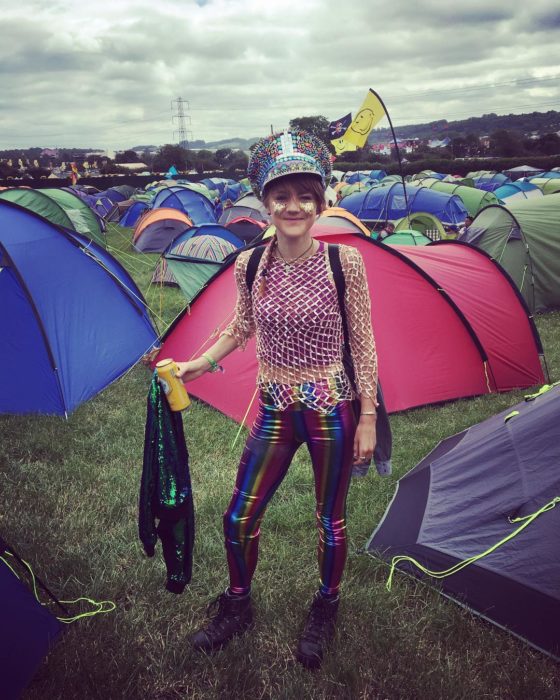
173	387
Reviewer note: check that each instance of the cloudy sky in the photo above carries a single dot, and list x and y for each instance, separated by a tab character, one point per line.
104	74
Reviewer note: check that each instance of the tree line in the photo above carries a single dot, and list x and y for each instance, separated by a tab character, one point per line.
501	143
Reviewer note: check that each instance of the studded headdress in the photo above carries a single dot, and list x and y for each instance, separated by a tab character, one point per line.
288	153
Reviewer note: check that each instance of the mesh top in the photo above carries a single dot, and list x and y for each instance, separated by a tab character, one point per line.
299	328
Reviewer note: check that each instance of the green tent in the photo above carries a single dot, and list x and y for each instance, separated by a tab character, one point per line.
424	223
549	185
59	207
191	263
525	239
473	198
80	214
477	173
456	180
406	237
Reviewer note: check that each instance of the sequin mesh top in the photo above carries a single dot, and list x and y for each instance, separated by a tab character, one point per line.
299	330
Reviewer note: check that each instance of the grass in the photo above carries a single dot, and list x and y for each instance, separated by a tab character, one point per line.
69	505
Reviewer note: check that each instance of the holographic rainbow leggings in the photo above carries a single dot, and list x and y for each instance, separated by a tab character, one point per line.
274	439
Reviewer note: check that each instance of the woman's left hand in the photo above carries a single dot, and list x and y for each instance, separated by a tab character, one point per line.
364	440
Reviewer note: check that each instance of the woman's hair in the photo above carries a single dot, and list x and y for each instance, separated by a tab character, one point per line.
301	182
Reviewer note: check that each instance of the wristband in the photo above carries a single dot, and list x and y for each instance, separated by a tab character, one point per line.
214	366
368	413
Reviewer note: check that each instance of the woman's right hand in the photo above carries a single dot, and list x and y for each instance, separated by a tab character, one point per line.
187	371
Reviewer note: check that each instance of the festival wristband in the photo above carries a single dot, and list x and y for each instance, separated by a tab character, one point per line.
214	366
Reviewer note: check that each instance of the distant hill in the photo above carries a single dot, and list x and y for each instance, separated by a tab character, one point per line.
535	122
236	144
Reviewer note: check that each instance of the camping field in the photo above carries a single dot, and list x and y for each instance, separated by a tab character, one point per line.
68	504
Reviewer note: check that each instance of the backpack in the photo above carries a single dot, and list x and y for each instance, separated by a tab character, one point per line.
384	445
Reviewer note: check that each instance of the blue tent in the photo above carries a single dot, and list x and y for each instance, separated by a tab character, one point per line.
377	175
27	630
231	193
133	213
517	190
491	181
352	177
388	203
198	208
73	320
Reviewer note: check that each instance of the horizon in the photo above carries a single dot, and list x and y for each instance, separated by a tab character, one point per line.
139	147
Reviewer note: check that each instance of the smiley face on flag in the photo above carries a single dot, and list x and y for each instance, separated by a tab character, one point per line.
363	122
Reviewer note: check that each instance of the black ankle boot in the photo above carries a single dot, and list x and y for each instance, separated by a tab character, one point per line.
318	631
234	616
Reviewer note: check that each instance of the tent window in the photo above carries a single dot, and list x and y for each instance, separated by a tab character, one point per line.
515	233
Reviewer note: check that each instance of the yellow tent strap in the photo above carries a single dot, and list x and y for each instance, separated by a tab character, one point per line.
103	606
133	261
523	278
462	564
503	249
486	376
544	388
244	418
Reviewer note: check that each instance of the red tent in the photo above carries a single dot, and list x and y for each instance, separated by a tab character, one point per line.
447	320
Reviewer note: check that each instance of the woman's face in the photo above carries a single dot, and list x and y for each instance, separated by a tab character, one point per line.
292	211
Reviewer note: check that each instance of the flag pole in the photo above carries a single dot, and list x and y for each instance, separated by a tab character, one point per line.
398	156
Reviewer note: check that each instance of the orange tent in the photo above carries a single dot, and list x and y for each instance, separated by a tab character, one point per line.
157	228
340	218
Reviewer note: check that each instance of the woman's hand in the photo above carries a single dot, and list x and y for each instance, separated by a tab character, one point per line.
187	371
364	440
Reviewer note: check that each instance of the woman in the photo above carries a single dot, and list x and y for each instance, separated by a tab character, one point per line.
305	393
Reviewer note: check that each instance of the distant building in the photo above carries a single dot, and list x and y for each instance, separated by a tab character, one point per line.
405	146
439	143
133	167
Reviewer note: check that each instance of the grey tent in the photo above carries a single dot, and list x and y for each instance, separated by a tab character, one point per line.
522	171
473	491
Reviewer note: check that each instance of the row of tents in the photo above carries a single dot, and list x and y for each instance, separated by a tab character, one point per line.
450	322
523	238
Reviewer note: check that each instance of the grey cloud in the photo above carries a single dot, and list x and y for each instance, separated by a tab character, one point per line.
111	82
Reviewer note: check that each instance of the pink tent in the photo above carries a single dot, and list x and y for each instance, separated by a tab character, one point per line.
448	324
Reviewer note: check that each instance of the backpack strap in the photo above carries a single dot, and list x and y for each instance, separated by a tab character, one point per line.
340	284
252	266
384	443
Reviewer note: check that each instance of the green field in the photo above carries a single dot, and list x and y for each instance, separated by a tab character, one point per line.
68	503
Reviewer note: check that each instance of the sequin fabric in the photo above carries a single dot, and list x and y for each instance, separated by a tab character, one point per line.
165	490
299	330
288	153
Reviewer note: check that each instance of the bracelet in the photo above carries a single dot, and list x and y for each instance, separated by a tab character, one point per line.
368	413
214	366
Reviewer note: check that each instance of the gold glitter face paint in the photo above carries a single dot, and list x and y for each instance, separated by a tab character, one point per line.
278	207
307	207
